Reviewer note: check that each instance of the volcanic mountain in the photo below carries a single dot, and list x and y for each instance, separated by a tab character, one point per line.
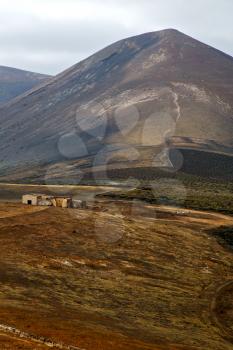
125	107
14	82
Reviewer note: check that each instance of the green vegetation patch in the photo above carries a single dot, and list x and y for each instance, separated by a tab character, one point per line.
224	235
182	190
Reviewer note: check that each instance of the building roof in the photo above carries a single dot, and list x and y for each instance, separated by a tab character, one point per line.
46	196
38	195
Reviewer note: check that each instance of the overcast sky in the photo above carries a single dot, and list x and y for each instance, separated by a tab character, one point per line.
48	36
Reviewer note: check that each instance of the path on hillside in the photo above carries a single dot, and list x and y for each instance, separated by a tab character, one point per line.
37	339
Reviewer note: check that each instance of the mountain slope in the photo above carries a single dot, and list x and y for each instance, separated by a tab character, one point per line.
14	82
124	106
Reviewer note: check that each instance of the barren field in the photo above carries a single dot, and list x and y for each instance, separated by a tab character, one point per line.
117	276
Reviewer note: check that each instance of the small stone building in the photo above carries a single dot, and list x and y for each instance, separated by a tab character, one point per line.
31	199
62	202
79	204
45	200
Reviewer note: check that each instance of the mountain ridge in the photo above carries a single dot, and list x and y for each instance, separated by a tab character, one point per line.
146	92
14	82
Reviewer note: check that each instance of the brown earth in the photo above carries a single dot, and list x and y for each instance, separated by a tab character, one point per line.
118	275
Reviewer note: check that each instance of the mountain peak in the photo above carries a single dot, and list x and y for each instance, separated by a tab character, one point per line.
169	30
169	79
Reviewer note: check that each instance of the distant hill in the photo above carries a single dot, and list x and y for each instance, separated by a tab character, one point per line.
123	107
14	82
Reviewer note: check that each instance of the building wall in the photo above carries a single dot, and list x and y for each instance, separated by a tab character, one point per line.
57	202
79	204
33	199
45	202
62	202
66	203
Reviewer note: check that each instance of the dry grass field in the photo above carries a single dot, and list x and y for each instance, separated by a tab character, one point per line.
120	276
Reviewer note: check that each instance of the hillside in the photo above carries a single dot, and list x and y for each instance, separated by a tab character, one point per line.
125	106
116	276
14	82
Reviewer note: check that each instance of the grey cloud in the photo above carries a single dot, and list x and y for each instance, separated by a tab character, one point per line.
209	21
60	36
37	42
